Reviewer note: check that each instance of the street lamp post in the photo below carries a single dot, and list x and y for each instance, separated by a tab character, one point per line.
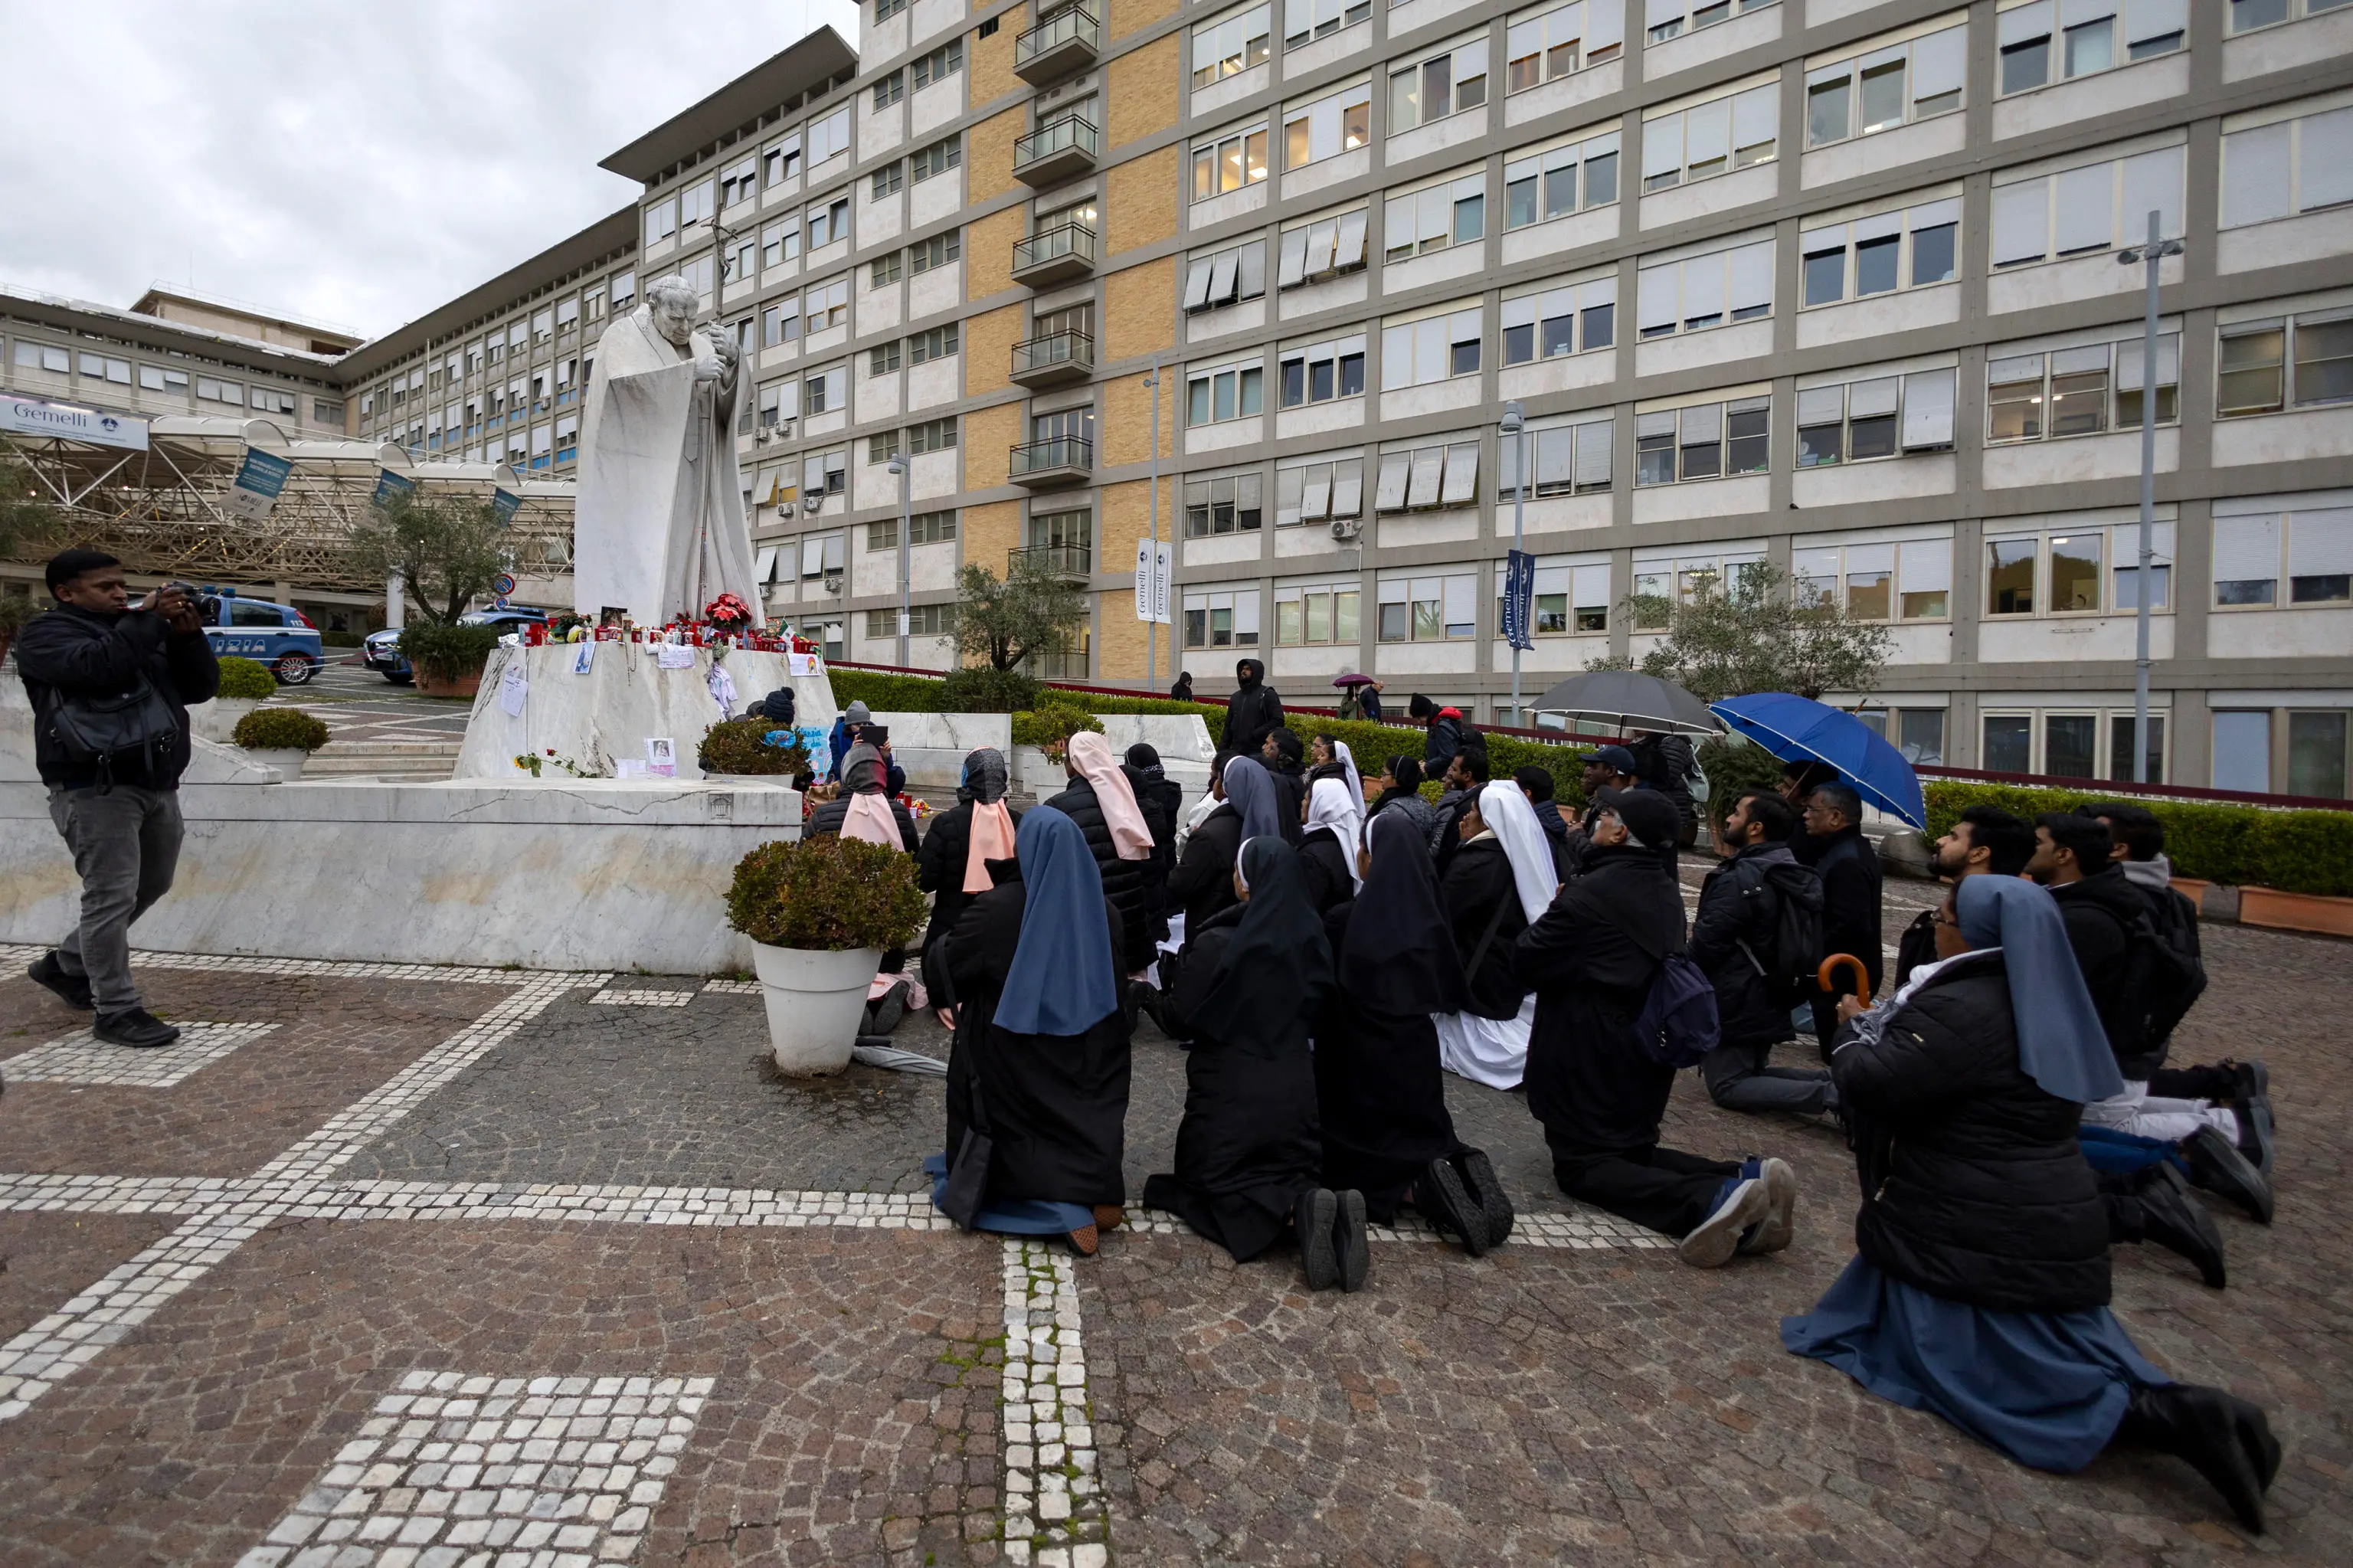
1515	428
2147	255
1153	588
898	465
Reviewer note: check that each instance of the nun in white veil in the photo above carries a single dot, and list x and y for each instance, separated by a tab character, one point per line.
1499	882
1335	829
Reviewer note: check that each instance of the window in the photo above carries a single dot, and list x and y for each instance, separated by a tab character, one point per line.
1318	613
823	390
567	316
1548	44
2065	570
1337	123
1442	84
889	180
1545	185
885	271
1912	580
1229	392
942	155
1064	425
1702	440
2309	544
922	528
1307	19
1713	288
889	90
2090	207
883	359
2248	15
937	252
1415	479
1878	417
1222	504
1221	619
699	274
208	389
1570	455
1671	19
739	183
1567	599
1223	277
1909	247
882	446
782	161
44	357
694	203
823	474
827	138
938	66
1887	86
2315	754
1322	372
781	323
2298	361
625	291
1319	490
825	306
1230	44
102	368
1435	609
1434	347
2066	391
1452	211
1228	162
1322	247
922	619
2277	168
1712	138
743	257
268	399
886	9
827	221
2044	41
661	220
935	342
1664	580
1565	318
932	436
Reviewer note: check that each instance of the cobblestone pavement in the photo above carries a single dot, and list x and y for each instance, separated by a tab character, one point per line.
411	1267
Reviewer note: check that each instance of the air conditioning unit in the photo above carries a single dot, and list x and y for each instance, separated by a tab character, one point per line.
785	429
764	435
1345	528
810	504
833	579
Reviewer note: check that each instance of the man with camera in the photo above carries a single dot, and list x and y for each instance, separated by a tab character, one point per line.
110	682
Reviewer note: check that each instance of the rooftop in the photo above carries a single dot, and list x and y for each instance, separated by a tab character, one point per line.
808	67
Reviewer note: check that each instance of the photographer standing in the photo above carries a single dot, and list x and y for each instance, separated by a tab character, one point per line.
109	682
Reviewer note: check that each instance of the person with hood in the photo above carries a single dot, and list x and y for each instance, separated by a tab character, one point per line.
1465	776
1734	938
952	864
1283	757
1380	1089
1182	691
1498	884
1399	789
1100	798
1038	1073
1536	784
776	707
1441	733
863	810
1204	878
1327	851
844	735
1252	713
1162	803
1835	846
1249	1161
1980	1286
1599	1095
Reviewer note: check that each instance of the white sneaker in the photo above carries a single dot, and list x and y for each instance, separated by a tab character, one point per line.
1779	1227
1717	1237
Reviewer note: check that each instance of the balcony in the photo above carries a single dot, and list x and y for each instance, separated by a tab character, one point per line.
1055	255
1057	151
1053	358
1062	459
1064	560
1071	39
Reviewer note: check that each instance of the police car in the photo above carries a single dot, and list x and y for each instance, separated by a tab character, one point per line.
380	650
277	635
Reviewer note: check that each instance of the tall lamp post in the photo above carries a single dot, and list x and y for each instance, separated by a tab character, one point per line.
1514	430
1152	621
2144	589
898	465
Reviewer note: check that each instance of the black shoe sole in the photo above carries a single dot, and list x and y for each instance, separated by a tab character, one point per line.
1495	1208
1446	1204
1311	1218
2216	1164
1355	1249
2171	1219
146	1043
60	984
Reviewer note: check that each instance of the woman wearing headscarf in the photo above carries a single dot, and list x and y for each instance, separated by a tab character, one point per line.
1100	798
1498	884
1247	1158
1203	881
1378	1088
1400	790
952	864
1979	1290
1038	1077
1328	853
862	810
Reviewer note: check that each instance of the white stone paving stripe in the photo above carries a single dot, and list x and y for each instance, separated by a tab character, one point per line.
453	1469
317	969
1056	1515
610	998
83	1058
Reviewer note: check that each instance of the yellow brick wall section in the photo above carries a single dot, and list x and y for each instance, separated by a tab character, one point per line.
1140	202
989	155
989	435
1126	17
988	340
988	253
1139	312
1127	418
1119	638
1143	91
991	531
990	60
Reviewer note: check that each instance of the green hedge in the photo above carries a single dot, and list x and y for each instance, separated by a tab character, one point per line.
2251	846
245	679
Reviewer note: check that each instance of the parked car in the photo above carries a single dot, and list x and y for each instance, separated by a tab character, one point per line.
380	650
277	635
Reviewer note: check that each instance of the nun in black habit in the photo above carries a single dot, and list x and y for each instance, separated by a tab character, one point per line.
1379	1087
1037	1075
1248	1157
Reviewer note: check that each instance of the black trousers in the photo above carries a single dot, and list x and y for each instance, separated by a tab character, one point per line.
2193	1082
1660	1189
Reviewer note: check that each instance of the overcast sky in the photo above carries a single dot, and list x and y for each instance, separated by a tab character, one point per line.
354	165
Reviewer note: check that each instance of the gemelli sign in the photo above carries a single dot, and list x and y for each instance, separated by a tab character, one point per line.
33	416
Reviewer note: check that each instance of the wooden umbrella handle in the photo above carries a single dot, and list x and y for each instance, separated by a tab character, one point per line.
1824	976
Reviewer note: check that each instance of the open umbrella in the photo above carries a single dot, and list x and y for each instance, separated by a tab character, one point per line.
1627	700
1794	729
1352	679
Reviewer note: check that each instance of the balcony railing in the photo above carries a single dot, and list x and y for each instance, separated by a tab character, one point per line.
1053	255
1054	357
1068	560
1056	150
1060	459
1062	43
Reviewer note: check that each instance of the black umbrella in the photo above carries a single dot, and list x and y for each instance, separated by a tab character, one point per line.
1627	700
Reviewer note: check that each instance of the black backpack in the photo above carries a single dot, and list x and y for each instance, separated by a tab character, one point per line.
2164	974
1678	1024
1793	954
133	730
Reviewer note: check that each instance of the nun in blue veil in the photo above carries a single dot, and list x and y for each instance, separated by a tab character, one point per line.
1038	1077
1980	1287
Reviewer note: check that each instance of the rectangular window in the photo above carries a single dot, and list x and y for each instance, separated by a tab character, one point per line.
825	306
1442	84
1420	478
695	203
1882	416
932	436
936	343
1225	277
782	161
922	619
2045	41
888	180
886	9
1318	614
885	271
1229	392
2316	754
883	359
781	323
1319	491
1438	347
1304	20
937	252
937	66
1337	123
1544	46
1228	162
825	390
2287	167
1567	599
208	388
1450	212
1558	181
1568	318
1438	608
1667	19
1322	372
1221	620
2077	391
829	138
1712	138
2095	206
1320	248
661	220
1230	44
1705	440
1567	458
1884	88
823	474
1222	504
826	221
936	159
1711	290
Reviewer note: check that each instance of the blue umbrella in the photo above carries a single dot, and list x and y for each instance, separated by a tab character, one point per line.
1799	728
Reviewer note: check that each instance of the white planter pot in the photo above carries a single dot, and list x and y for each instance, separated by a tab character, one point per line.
216	720
815	1000
287	759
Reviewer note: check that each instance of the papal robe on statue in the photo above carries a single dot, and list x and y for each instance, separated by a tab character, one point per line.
659	527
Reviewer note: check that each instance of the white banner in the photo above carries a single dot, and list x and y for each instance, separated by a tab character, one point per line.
1154	565
33	416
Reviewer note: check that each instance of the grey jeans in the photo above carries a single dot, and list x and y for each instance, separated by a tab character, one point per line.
1742	1078
125	845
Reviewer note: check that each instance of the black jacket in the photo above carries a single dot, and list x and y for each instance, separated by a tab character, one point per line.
1126	884
1916	946
1203	881
1556	832
1252	713
1290	794
1326	865
1739	904
1849	872
939	866
1445	830
2100	911
1162	804
1974	1187
1478	889
825	823
1442	738
69	651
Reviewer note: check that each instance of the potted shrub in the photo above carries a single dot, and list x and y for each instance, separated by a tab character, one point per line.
284	738
448	660
820	912
244	682
738	750
1040	738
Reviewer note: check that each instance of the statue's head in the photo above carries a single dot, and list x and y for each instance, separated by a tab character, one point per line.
673	302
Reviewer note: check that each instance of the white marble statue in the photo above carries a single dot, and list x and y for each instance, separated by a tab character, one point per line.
659	528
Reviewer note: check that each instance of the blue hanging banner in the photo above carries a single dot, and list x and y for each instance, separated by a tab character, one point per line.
505	503
390	487
1519	597
260	480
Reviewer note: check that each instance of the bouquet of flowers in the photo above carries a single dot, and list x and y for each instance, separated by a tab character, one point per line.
916	806
727	613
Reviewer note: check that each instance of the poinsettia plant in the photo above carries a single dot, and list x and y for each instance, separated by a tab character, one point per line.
727	611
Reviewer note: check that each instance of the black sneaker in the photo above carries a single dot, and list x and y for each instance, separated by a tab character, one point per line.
135	1027
1311	1220
1446	1204
2174	1221
2216	1164
1349	1241
71	989
1494	1209
2252	1099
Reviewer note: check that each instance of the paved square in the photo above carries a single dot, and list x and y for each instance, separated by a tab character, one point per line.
82	1058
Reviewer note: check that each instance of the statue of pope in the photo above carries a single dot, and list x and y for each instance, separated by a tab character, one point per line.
658	529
